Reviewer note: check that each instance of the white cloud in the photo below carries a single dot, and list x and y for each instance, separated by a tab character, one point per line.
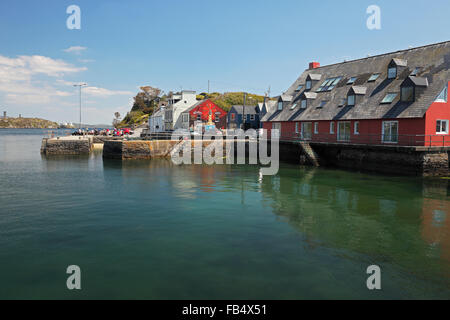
95	91
75	49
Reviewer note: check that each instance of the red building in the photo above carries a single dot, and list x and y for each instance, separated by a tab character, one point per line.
398	98
200	112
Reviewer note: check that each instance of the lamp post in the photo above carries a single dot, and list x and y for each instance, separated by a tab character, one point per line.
80	85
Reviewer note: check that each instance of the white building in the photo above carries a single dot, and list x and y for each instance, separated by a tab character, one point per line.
177	104
156	120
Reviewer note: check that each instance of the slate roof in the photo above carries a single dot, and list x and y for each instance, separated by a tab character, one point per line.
434	63
248	109
271	106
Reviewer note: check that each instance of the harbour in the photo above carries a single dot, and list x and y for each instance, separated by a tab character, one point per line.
152	229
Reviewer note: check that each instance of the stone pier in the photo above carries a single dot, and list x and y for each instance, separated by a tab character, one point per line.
71	145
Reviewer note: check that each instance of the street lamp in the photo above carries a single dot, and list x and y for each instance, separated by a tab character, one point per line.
80	85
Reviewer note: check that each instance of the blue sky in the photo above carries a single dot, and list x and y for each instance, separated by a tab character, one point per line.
238	45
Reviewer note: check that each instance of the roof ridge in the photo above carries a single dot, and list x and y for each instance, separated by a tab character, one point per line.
382	54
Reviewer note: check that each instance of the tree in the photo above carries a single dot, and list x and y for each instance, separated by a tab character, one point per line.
116	119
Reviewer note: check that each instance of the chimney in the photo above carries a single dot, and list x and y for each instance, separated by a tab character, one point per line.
314	65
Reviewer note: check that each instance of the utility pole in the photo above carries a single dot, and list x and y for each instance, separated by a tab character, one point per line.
243	111
80	85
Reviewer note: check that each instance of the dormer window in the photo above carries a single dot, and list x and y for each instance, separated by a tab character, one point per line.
407	94
303	104
392	72
412	87
395	66
351	100
308	84
280	105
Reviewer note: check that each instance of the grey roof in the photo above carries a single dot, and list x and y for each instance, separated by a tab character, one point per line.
286	97
310	95
248	109
434	61
271	106
315	76
400	62
359	89
419	81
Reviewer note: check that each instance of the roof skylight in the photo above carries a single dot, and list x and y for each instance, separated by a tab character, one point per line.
373	77
352	80
389	98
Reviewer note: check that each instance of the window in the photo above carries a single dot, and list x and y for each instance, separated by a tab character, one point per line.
390	131
331	127
199	117
322	104
442	97
392	72
185	117
389	98
373	77
342	102
293	106
280	105
276	130
407	94
303	104
351	100
296	127
233	116
415	71
252	117
352	80
217	117
306	130
343	131
299	88
329	84
356	127
441	126
316	127
308	85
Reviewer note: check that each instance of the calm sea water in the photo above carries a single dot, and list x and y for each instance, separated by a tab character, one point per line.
150	229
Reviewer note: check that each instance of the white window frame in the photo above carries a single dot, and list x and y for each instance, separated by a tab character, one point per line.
331	127
296	127
303	129
440	126
346	138
316	127
280	105
356	127
382	132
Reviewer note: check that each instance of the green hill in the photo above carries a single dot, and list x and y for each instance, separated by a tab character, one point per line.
27	123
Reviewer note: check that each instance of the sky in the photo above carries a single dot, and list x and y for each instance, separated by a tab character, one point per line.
241	45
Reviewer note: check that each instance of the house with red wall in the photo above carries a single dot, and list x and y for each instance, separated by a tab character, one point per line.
398	98
198	115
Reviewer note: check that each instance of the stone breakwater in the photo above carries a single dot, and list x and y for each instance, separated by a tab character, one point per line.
67	145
